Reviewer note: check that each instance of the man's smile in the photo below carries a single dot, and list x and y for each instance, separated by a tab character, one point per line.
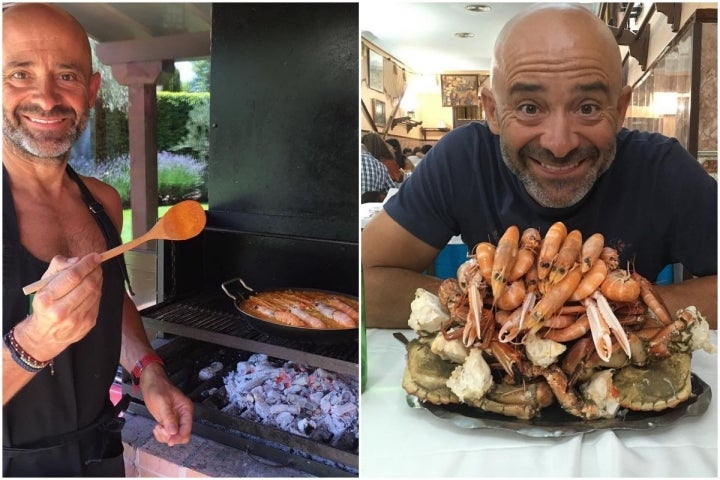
45	121
558	169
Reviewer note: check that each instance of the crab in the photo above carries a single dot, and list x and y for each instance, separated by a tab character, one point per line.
666	384
663	384
426	374
435	380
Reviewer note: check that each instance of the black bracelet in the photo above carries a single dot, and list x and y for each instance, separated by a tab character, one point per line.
22	358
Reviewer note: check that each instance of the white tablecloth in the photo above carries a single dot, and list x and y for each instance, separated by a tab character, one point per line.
396	440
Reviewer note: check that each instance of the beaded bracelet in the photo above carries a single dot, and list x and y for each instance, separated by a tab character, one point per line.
24	359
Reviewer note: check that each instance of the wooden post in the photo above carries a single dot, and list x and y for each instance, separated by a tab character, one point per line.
140	78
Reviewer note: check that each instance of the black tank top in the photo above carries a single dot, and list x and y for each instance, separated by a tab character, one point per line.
78	393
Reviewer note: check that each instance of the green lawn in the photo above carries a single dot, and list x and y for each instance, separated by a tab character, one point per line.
126	234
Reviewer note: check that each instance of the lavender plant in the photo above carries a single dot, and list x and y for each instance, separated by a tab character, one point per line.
179	176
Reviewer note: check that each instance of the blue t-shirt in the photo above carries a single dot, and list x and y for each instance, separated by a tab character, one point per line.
655	204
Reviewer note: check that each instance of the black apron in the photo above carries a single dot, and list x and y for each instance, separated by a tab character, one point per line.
64	424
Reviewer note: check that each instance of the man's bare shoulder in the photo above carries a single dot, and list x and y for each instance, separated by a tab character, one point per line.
107	195
100	189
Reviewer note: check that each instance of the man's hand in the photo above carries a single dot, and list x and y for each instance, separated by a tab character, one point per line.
65	309
172	410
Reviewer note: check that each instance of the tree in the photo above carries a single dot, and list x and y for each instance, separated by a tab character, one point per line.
112	95
201	81
171	83
197	139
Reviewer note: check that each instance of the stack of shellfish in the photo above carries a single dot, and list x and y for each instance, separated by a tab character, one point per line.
535	320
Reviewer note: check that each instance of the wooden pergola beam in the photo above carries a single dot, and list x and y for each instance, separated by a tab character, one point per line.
170	47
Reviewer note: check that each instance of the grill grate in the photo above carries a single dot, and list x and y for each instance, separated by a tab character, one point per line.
212	317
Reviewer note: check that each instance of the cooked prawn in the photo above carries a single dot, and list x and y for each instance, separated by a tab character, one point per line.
531	279
512	297
338	316
550	247
611	258
469	276
529	244
620	286
560	321
350	308
576	330
567	257
505	256
306	317
270	312
554	299
515	321
485	256
591	250
652	299
591	281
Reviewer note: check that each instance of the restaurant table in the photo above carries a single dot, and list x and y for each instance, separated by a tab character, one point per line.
397	440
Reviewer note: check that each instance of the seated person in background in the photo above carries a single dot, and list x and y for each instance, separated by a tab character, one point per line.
379	149
402	162
375	180
413	157
553	149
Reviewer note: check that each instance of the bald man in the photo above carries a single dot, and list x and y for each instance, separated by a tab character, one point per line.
62	347
553	149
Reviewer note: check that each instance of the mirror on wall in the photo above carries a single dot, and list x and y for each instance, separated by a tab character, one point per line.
375	71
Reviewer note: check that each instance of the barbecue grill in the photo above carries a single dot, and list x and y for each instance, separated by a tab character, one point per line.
282	212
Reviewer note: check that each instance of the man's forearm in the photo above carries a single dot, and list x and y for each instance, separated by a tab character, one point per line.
135	343
700	292
388	293
14	377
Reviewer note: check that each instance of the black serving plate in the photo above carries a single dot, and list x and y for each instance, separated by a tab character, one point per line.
555	422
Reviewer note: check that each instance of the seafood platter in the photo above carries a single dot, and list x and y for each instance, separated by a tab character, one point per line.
551	336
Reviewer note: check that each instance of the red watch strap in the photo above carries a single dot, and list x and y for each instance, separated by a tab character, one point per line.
144	362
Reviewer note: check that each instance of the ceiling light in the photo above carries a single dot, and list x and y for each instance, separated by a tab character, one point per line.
477	7
464	34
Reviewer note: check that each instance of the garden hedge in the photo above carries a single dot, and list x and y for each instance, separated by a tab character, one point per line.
173	108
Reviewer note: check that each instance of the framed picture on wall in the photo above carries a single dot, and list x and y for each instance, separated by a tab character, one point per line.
379	112
375	70
459	90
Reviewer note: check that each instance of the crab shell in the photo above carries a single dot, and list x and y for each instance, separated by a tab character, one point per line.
426	374
664	384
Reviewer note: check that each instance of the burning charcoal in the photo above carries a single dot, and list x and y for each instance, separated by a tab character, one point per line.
344	410
274	396
285	420
210	371
322	434
306	426
317	404
209	392
261	406
277	409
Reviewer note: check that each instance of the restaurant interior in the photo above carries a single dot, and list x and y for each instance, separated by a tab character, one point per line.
416	58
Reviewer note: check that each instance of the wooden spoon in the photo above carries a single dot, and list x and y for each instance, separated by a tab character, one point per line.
182	221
